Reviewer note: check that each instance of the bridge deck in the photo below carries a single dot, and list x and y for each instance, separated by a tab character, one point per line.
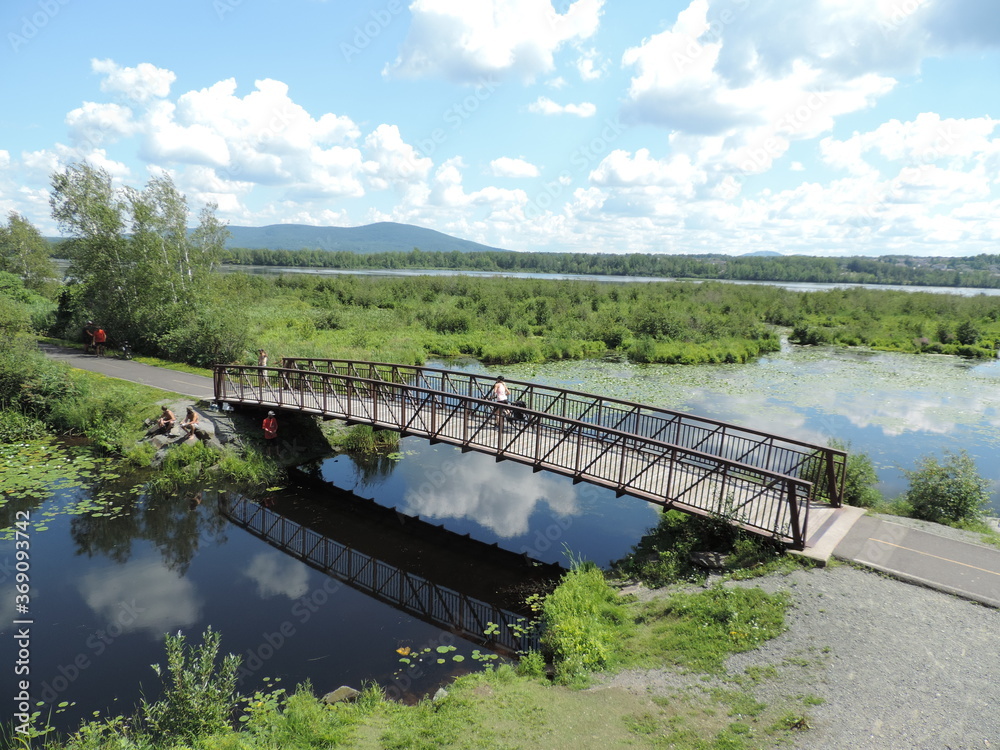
758	499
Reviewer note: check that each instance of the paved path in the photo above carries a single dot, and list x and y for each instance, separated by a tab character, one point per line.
964	569
195	386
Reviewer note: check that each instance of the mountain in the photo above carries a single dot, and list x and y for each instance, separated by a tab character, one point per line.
385	236
763	254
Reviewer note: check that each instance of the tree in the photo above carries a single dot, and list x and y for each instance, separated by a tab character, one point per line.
25	253
949	492
967	333
132	253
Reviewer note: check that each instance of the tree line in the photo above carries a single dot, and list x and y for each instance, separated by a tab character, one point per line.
982	271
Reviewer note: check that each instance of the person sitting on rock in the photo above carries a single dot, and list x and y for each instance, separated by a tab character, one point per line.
167	419
190	422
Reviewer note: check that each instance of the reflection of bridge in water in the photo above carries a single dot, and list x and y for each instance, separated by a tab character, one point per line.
765	483
443	578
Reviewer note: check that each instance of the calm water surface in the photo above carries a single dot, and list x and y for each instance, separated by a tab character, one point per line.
105	590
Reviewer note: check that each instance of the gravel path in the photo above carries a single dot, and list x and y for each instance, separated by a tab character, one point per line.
898	666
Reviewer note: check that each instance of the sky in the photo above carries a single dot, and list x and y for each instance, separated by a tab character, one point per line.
817	127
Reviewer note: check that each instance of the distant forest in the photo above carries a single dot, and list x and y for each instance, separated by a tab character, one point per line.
978	271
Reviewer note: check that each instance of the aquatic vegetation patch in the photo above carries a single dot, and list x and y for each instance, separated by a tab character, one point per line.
49	470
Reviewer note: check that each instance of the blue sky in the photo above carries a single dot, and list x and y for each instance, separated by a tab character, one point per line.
820	127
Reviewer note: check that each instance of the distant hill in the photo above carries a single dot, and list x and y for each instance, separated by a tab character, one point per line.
762	254
385	236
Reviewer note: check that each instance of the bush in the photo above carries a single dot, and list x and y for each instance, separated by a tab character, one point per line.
583	621
198	697
950	492
15	427
207	337
860	478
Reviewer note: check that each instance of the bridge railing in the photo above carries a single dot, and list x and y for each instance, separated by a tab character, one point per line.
822	466
755	498
469	617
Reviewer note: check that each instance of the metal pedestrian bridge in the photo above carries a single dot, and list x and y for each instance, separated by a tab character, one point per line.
764	483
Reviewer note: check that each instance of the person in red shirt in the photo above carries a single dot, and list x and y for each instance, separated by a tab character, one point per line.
270	426
100	337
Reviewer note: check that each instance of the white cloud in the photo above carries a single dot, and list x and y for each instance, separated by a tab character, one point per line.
168	142
467	41
508	167
621	169
545	106
94	124
275	574
391	161
588	65
926	139
140	84
742	111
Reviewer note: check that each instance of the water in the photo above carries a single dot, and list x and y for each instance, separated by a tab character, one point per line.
896	408
105	589
795	286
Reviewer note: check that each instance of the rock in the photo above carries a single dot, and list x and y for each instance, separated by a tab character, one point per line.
440	694
341	694
709	560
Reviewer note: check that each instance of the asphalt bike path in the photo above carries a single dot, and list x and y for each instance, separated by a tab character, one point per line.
194	386
922	557
965	569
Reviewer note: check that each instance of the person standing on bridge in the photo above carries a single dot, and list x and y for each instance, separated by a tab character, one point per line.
501	394
270	426
261	358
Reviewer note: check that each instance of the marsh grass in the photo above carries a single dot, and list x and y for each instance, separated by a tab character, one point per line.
365	439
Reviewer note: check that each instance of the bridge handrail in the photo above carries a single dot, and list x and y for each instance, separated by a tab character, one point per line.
829	482
796	492
488	404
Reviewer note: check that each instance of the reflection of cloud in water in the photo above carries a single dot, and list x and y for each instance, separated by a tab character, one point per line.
141	596
276	574
478	488
894	401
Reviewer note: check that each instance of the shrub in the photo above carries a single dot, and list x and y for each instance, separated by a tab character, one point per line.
199	697
949	492
860	478
967	333
583	619
808	335
15	427
207	337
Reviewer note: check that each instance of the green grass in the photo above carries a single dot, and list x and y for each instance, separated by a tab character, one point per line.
699	631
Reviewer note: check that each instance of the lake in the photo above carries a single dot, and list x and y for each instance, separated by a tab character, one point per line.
107	581
795	286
